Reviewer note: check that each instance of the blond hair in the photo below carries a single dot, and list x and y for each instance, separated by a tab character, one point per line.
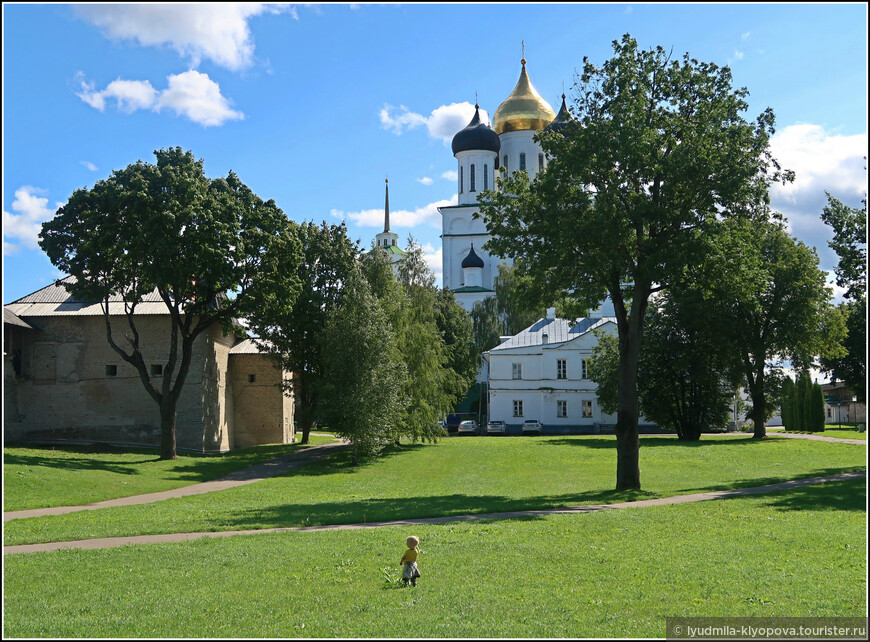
413	541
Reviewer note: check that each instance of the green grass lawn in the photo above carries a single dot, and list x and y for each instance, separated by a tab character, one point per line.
70	475
459	476
604	574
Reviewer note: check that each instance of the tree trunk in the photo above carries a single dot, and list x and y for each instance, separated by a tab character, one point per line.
627	440
759	413
167	430
306	425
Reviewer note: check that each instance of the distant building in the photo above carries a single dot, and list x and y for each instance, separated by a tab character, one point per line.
543	373
388	241
480	151
841	406
63	382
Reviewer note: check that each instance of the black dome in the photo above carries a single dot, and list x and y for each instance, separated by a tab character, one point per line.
476	136
472	260
562	119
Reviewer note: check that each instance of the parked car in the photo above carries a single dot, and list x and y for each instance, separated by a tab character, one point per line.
532	425
468	427
496	428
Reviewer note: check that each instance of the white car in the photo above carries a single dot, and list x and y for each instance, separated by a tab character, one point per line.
496	428
532	425
468	427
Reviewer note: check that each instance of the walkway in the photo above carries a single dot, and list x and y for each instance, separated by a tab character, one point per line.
272	468
111	542
837	440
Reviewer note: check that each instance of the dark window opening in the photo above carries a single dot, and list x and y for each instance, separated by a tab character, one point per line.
111	370
252	378
157	369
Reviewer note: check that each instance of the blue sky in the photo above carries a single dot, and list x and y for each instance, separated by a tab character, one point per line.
315	105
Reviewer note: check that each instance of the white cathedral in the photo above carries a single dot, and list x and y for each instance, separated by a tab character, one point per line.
480	151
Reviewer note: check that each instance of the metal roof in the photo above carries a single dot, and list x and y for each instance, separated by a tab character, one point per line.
248	346
11	318
557	331
54	300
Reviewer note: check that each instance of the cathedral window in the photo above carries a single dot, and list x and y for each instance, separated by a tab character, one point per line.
394	242
460	178
486	177
540	162
504	162
522	162
471	179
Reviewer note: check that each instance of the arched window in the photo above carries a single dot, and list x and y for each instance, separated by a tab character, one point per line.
485	177
540	162
471	179
460	178
522	162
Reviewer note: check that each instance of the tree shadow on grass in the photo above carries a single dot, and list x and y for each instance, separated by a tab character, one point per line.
765	481
843	495
77	463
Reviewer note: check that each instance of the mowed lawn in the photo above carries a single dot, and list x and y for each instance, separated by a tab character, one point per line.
71	476
605	574
459	476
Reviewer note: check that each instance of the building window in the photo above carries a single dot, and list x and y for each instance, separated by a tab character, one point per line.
540	162
585	370
394	241
829	413
587	409
522	162
252	378
111	370
471	179
504	162
561	408
518	408
517	371
561	369
157	369
485	177
461	176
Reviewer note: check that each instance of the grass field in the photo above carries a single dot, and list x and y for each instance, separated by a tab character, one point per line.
459	476
604	574
70	475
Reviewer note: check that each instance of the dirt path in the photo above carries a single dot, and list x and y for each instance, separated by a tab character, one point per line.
111	542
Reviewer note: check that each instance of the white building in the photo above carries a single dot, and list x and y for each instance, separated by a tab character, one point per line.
542	373
468	269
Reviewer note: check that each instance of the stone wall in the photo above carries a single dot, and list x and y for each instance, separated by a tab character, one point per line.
263	414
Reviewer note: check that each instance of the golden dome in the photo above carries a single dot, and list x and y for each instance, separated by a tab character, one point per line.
524	109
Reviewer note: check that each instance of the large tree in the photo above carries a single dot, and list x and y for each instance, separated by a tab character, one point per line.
291	329
850	243
362	396
771	303
211	249
658	150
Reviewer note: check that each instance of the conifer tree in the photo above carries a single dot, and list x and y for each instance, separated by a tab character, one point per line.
817	403
788	403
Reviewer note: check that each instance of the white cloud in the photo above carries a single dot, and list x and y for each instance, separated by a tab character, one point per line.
451	175
434	260
442	123
191	94
822	161
746	35
217	32
425	180
22	229
738	55
89	165
398	218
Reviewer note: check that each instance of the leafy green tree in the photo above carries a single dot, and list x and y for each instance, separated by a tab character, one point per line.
362	396
457	333
803	390
771	303
787	404
515	306
683	371
432	387
817	409
850	244
659	150
292	330
211	248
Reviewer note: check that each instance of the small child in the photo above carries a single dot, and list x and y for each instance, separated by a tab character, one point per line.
409	559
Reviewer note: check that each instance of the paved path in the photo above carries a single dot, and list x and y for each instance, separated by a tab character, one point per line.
258	472
838	440
111	542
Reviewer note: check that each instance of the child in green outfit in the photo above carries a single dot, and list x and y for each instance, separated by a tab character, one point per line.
409	559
